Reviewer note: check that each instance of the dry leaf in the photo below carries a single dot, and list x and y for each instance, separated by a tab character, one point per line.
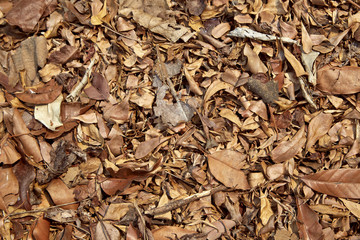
336	80
99	89
226	167
288	149
318	127
308	222
344	183
49	114
254	63
166	232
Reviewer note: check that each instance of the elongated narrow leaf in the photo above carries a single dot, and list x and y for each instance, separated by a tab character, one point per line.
344	183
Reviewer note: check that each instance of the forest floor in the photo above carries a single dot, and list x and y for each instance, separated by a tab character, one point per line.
188	119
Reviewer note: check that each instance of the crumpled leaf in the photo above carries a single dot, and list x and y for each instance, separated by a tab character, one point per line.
9	185
99	89
105	230
25	174
167	28
265	211
195	7
118	113
269	91
98	12
42	95
22	133
8	153
64	55
344	183
172	113
26	14
308	222
226	167
336	80
49	114
288	149
318	127
222	226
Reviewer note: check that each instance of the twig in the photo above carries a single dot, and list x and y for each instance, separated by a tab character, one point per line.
172	205
75	93
248	33
120	34
354	3
307	96
43	209
164	75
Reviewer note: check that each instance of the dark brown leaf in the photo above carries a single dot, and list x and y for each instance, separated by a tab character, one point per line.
41	95
99	89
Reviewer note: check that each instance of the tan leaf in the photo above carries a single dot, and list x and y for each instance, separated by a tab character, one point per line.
254	62
214	88
298	68
288	149
318	127
230	115
353	207
344	183
336	80
265	211
61	194
306	40
226	167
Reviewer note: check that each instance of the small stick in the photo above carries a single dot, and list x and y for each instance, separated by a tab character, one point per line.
73	96
354	3
181	202
248	33
307	96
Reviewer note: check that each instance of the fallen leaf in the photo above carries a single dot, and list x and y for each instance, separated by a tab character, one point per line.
41	229
226	167
254	62
170	232
99	89
344	183
318	127
298	68
222	226
42	95
288	149
49	114
195	7
338	80
98	12
26	14
353	207
61	194
308	222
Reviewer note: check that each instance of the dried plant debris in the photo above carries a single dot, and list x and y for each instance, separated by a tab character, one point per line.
192	119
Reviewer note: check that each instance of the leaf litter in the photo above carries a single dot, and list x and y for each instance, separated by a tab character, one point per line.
179	119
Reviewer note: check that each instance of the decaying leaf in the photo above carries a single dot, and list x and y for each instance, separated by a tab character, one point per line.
268	91
226	167
171	113
342	183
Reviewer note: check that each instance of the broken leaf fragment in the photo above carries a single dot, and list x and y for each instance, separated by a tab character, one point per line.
49	114
171	113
